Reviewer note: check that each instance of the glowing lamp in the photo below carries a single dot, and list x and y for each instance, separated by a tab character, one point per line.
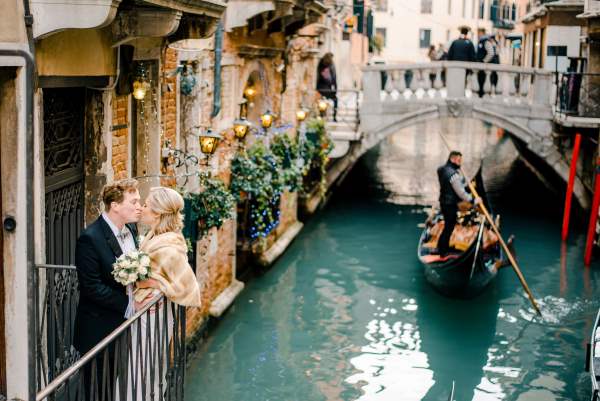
140	87
322	105
209	141
266	120
249	92
241	127
301	115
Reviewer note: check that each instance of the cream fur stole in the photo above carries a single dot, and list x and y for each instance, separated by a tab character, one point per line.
169	266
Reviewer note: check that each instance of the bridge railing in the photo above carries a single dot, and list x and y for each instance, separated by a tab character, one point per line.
454	79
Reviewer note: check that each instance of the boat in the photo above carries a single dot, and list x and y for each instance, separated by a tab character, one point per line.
593	359
465	273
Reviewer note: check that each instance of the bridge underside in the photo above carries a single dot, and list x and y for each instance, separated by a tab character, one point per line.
531	125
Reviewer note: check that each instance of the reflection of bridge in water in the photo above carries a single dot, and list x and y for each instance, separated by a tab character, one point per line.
517	99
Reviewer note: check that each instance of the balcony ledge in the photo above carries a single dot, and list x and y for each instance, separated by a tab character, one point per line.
210	8
52	16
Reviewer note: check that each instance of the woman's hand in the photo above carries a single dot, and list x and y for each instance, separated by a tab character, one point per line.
148	283
139	305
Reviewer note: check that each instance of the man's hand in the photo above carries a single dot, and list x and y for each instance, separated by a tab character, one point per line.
477	201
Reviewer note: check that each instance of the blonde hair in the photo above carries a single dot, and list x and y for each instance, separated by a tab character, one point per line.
167	203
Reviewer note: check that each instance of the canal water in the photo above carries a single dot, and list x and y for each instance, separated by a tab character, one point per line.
346	314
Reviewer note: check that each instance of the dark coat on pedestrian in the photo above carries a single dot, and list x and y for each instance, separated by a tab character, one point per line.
102	301
461	49
326	79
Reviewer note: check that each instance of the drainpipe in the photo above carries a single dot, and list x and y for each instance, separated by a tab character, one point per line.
30	77
217	72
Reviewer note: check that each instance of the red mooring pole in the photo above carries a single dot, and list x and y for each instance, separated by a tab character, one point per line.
569	196
589	243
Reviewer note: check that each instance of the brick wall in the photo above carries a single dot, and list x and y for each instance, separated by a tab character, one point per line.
168	106
120	136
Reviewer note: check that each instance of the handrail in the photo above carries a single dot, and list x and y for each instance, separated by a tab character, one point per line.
49	266
69	372
457	64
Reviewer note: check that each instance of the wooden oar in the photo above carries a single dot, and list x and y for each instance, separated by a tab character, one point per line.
487	215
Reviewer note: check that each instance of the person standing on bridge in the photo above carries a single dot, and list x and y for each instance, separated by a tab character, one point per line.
327	81
452	191
462	49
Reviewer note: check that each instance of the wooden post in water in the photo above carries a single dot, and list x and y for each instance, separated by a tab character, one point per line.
569	195
589	244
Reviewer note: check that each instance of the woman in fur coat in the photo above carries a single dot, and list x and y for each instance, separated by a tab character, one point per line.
171	275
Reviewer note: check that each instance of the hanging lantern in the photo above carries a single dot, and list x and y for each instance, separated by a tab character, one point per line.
322	105
249	93
301	115
209	141
140	84
241	127
266	120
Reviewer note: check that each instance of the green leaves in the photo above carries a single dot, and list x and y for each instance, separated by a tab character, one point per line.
212	205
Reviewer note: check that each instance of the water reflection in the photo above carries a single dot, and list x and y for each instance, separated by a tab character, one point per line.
346	314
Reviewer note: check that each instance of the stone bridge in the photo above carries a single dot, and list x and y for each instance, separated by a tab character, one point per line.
398	96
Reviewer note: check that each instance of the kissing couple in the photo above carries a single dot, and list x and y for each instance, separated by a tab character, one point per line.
104	303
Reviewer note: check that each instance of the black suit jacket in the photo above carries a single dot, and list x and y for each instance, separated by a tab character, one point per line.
102	301
461	50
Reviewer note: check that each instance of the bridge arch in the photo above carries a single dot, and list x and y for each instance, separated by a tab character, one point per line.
541	148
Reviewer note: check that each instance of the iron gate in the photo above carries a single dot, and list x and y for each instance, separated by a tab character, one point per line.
64	185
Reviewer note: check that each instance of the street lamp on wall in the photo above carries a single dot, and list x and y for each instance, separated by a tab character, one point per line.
266	119
140	84
301	115
322	105
209	141
241	126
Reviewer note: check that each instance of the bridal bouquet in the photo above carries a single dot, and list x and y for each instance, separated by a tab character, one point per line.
132	267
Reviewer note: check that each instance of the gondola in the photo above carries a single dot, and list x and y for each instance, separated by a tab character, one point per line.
593	359
466	273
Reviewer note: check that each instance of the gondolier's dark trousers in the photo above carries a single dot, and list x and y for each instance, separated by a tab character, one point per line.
449	213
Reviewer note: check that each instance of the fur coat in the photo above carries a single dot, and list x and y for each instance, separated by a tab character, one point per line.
169	266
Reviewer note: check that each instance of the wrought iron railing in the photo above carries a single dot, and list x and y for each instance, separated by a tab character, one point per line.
56	304
143	359
578	94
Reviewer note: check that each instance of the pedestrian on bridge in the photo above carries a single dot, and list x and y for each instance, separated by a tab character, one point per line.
462	49
327	81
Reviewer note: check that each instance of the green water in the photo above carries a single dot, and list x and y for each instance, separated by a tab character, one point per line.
346	314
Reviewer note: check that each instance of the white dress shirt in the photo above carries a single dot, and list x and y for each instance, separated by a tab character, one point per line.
127	244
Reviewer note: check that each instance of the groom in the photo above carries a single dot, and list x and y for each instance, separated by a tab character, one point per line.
103	301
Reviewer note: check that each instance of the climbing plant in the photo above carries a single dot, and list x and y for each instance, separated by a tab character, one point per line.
315	153
287	152
256	177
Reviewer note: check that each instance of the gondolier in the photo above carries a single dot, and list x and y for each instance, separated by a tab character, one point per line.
452	191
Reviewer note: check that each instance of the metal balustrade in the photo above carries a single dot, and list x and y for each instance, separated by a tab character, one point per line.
578	94
143	359
453	79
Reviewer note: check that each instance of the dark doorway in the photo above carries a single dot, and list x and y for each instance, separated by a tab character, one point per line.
64	187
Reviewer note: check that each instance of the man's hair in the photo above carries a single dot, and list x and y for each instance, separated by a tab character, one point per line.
116	191
464	30
454	153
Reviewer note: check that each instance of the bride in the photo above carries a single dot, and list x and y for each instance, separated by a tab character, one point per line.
170	275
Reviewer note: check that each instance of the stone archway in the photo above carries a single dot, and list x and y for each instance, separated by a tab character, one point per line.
538	144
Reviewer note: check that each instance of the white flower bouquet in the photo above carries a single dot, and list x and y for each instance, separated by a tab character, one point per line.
131	268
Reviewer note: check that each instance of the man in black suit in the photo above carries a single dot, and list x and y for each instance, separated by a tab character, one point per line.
462	49
102	301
